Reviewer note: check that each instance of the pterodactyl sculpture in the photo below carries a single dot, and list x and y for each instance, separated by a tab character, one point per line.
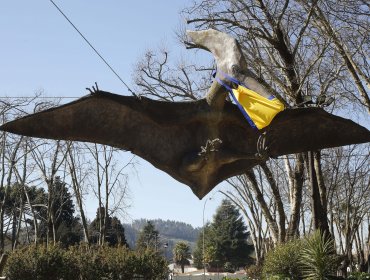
199	143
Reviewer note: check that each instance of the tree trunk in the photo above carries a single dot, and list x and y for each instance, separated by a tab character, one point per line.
320	180
35	223
274	230
278	201
319	216
106	201
27	229
19	225
7	187
49	223
77	190
95	154
296	198
14	227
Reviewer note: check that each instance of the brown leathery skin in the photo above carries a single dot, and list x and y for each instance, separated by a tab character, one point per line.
170	134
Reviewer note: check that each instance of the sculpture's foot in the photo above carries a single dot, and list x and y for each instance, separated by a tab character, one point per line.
226	156
210	147
94	90
194	162
262	148
212	157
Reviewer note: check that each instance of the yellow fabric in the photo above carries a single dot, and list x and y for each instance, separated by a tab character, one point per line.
260	109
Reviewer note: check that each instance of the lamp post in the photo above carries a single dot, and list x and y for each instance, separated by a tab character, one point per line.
204	263
165	246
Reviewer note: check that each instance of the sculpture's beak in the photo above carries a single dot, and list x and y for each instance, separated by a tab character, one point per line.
217	42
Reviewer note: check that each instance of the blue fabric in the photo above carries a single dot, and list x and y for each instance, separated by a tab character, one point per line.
230	90
245	114
224	85
233	80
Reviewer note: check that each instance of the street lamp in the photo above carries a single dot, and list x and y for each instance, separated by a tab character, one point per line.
204	263
165	246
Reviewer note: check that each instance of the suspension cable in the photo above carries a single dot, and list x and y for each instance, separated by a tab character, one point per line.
94	49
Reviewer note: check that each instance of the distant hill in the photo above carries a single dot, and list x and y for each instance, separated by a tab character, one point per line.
170	232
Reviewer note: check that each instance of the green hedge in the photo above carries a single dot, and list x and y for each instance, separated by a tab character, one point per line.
84	263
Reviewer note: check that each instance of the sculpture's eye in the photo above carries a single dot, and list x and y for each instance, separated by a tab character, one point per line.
235	69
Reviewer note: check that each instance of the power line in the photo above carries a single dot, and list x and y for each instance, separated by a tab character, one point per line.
87	41
40	97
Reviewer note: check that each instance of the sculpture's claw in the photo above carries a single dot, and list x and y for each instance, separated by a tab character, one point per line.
95	89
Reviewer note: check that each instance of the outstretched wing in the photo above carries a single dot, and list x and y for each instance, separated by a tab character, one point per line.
176	137
308	129
168	135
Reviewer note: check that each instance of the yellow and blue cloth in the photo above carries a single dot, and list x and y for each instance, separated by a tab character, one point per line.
258	110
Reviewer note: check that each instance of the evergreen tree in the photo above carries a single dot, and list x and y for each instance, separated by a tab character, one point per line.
70	233
225	240
198	250
62	205
148	238
15	206
181	254
115	232
67	226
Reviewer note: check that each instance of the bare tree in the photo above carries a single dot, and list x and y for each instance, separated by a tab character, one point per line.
348	32
79	173
24	175
49	158
155	76
349	197
110	184
12	151
243	198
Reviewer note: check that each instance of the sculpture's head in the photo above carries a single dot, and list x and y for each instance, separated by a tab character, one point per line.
217	43
229	60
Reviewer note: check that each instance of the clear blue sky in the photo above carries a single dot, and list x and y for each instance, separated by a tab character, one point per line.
39	50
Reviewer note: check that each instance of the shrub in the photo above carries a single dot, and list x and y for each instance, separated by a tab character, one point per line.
313	258
119	263
84	263
94	262
229	278
319	260
150	265
254	271
228	267
283	261
359	276
40	263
